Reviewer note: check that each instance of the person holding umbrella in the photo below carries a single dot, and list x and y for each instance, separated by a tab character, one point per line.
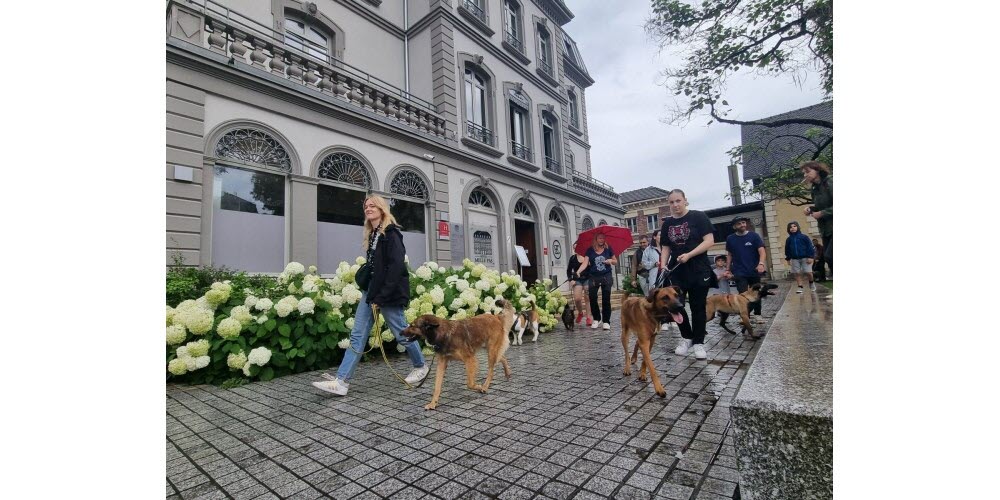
687	236
601	246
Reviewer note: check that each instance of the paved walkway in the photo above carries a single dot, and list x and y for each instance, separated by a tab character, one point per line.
567	425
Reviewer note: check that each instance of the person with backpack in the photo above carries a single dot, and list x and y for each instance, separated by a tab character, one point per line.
799	252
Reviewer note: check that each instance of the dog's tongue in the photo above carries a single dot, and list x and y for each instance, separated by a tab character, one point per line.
677	317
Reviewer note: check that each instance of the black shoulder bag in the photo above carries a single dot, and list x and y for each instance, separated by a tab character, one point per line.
364	275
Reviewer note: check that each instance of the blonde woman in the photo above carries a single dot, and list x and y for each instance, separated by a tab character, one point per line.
389	289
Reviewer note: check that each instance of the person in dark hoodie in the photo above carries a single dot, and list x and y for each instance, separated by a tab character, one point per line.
388	288
799	251
817	175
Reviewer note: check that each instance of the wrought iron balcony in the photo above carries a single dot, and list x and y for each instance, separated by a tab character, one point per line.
545	66
473	7
244	41
589	185
521	151
513	40
481	134
552	165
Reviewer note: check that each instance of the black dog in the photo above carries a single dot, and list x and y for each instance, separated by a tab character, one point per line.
567	317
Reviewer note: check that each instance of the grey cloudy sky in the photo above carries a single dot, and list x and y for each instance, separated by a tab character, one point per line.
631	147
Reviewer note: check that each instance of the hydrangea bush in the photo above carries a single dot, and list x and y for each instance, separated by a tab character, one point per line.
305	324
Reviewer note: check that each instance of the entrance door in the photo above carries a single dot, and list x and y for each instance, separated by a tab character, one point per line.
524	235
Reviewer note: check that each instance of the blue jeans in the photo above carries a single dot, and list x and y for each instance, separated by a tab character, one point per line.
363	322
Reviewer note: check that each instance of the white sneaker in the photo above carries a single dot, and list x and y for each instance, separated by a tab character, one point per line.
699	351
596	325
336	386
812	287
682	347
665	327
799	290
607	326
417	374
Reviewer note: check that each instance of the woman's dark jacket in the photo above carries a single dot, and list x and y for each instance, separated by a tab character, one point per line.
390	286
822	197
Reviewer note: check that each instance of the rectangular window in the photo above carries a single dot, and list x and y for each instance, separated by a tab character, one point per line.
513	23
410	215
545	52
548	138
249	191
632	225
722	231
652	221
517	121
339	205
475	98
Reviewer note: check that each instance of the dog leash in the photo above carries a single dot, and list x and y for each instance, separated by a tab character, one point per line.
376	333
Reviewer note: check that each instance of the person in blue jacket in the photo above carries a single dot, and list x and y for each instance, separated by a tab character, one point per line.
799	252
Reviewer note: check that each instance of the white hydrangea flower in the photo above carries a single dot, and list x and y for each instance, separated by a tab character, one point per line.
306	306
373	341
261	319
203	303
259	356
441	312
294	268
286	305
466	275
349	323
344	343
437	295
451	279
351	294
312	269
501	288
432	265
400	349
478	270
283	277
292	288
547	282
200	362
461	285
410	315
387	336
171	312
310	286
442	270
467	263
456	304
428	351
250	301
197	348
241	314
421	289
229	328
246	369
236	361
176	334
217	296
426	308
182	352
177	366
265	304
198	320
460	314
483	285
336	313
360	261
424	273
336	284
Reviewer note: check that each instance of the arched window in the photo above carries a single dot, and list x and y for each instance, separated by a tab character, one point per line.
250	145
521	208
544	50
555	216
602	223
345	168
478	105
479	199
574	111
408	183
587	223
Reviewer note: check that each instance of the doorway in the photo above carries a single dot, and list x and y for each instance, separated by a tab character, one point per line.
524	236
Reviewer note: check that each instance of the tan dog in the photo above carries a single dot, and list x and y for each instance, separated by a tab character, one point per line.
727	304
460	339
640	315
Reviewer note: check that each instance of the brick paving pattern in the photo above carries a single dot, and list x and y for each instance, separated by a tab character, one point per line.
567	425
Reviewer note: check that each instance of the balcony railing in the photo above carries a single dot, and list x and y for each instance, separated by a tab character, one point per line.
513	40
552	165
589	185
481	134
545	66
521	151
243	40
473	7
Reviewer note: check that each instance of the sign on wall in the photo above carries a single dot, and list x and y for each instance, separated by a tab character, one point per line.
457	242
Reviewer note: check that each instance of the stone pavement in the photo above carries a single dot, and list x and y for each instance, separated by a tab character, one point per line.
567	425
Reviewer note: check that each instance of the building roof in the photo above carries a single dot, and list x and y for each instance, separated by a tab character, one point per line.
768	149
571	55
735	209
646	193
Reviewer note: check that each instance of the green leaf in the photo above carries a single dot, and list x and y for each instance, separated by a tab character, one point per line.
279	359
285	330
286	344
270	324
267	373
309	321
292	353
310	359
321	328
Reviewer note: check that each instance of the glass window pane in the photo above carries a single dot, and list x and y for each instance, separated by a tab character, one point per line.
340	205
249	191
468	99
410	215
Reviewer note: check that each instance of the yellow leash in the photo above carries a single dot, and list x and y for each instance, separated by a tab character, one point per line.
376	333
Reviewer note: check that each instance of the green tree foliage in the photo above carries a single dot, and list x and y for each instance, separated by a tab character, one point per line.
786	181
722	37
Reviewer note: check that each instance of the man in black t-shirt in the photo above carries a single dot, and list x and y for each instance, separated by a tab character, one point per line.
684	242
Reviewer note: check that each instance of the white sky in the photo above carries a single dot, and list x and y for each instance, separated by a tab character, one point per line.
631	147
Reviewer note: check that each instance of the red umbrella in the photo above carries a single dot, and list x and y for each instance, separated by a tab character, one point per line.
618	238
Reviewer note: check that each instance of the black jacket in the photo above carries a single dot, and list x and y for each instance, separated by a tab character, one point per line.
390	284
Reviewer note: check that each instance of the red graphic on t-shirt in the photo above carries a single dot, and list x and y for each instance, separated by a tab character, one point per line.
679	234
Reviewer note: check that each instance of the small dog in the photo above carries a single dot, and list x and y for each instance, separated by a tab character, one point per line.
727	304
460	339
522	321
641	316
567	317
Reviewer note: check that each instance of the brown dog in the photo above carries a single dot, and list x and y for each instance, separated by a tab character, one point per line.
640	315
727	304
460	339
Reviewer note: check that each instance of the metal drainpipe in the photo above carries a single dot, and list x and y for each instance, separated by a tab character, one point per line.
406	45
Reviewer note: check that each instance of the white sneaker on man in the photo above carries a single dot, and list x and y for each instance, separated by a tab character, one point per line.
665	327
607	326
336	386
596	325
417	374
682	347
699	351
812	287
799	290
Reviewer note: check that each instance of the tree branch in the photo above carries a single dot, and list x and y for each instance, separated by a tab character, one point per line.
772	124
